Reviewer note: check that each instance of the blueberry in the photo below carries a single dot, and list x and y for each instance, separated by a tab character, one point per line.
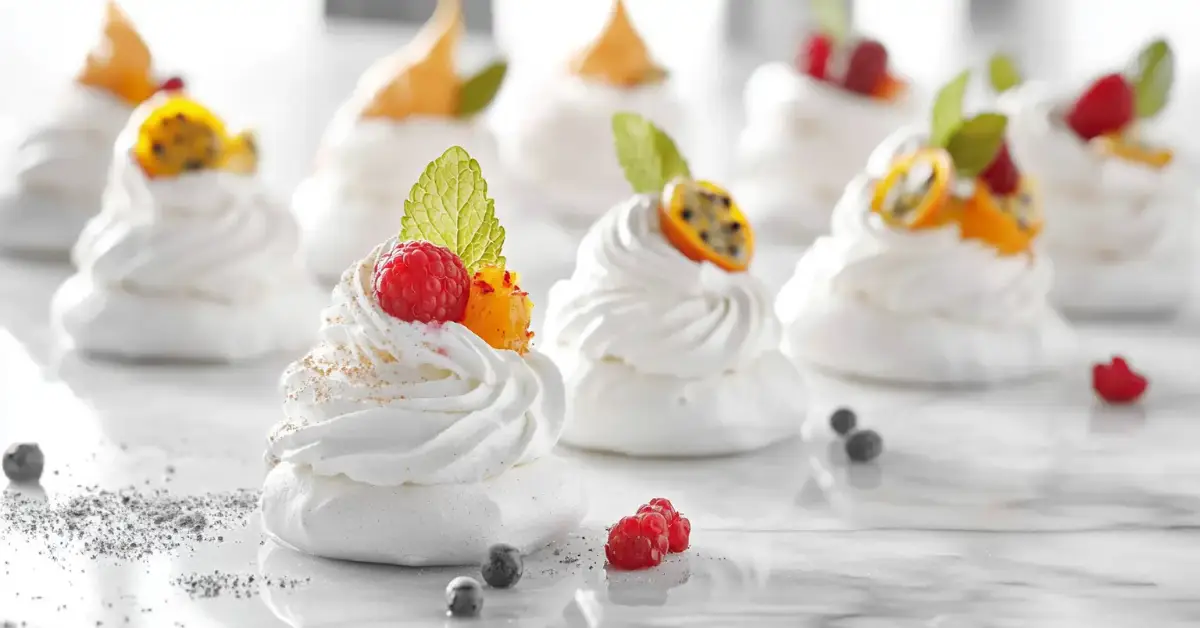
503	567
864	446
843	421
464	597
23	462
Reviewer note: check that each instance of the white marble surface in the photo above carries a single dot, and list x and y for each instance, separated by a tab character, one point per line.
1025	506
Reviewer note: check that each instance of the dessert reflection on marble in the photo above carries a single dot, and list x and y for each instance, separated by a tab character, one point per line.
558	140
406	109
420	428
57	175
667	345
930	275
190	259
1119	201
811	124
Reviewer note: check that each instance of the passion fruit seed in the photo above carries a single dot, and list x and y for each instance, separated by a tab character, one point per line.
709	213
181	144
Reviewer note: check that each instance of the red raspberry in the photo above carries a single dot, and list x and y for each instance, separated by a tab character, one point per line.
418	281
1002	176
867	67
662	507
680	535
173	84
1106	107
1116	383
814	56
637	542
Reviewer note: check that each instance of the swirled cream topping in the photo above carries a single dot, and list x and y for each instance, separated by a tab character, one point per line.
635	298
388	402
929	272
207	235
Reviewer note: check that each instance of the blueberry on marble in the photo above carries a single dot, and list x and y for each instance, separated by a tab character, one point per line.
503	567
23	462
864	446
464	597
843	421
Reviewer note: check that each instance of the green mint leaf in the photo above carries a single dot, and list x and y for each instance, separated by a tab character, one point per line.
832	18
648	156
1003	73
1153	74
449	206
479	90
948	110
975	144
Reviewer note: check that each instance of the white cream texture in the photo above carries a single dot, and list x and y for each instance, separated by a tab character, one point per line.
197	267
663	356
803	141
56	176
559	139
925	306
1119	232
364	172
415	444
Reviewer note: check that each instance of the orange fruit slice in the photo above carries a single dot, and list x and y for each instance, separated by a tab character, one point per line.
701	220
498	310
915	192
1009	224
1129	149
890	89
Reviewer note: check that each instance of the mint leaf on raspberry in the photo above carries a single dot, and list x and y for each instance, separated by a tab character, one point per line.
1152	77
974	145
948	110
479	90
647	154
449	206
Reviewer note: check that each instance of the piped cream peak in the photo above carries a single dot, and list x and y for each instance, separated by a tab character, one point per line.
120	61
617	56
421	79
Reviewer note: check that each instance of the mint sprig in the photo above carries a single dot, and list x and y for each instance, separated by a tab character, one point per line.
449	206
948	110
480	90
1003	73
1152	78
647	154
972	142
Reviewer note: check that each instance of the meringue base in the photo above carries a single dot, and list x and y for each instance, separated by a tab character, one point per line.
1133	288
119	324
856	339
40	224
529	506
615	409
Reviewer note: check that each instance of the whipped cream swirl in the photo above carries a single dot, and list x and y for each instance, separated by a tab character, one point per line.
213	236
388	402
635	298
930	272
1102	209
69	154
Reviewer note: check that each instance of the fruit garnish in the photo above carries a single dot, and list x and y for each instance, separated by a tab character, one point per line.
648	155
421	282
449	206
1129	149
864	446
120	62
1117	383
1008	224
498	310
914	193
1003	73
181	135
1107	106
480	90
813	58
1002	176
866	67
618	56
241	154
421	78
701	220
172	84
973	143
889	89
641	541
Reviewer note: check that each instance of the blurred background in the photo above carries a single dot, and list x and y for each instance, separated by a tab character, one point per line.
284	65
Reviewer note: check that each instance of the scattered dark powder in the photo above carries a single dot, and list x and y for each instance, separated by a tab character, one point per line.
218	583
124	525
